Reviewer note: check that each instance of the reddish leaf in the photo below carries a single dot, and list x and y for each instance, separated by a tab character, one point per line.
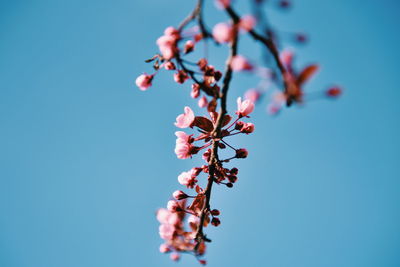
307	73
203	123
226	120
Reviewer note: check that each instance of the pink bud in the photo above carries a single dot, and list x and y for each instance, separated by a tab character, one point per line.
175	256
195	90
240	63
334	92
223	33
189	46
247	22
247	128
253	95
144	81
179	195
180	76
203	102
241	153
164	248
222	4
169	65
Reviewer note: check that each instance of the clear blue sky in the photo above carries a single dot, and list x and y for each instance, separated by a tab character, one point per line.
86	158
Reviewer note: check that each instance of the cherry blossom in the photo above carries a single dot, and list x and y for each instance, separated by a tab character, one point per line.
186	119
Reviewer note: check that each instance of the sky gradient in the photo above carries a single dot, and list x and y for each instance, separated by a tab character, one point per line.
86	158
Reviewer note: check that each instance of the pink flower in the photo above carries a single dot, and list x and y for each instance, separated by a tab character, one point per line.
164	248
173	206
245	107
223	33
193	219
183	150
144	81
253	95
167	43
186	119
222	4
164	216
247	22
187	178
175	256
166	231
240	63
203	102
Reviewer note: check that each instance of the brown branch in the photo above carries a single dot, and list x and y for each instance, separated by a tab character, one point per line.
269	43
214	161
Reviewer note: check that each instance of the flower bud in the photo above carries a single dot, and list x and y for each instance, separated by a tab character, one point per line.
179	195
215	212
215	221
241	153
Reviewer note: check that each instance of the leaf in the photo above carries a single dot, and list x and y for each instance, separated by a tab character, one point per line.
307	73
226	120
203	123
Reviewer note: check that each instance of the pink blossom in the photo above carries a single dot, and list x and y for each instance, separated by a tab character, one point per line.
144	81
173	206
253	95
164	248
166	231
183	149
193	219
186	119
240	63
164	216
187	178
247	22
222	4
223	33
167	43
203	102
245	107
175	256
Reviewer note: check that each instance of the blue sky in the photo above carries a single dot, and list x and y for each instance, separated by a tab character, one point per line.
86	158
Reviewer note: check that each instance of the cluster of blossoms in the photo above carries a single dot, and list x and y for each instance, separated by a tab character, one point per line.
182	222
172	229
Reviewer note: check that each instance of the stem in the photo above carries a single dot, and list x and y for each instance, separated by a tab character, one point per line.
214	161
